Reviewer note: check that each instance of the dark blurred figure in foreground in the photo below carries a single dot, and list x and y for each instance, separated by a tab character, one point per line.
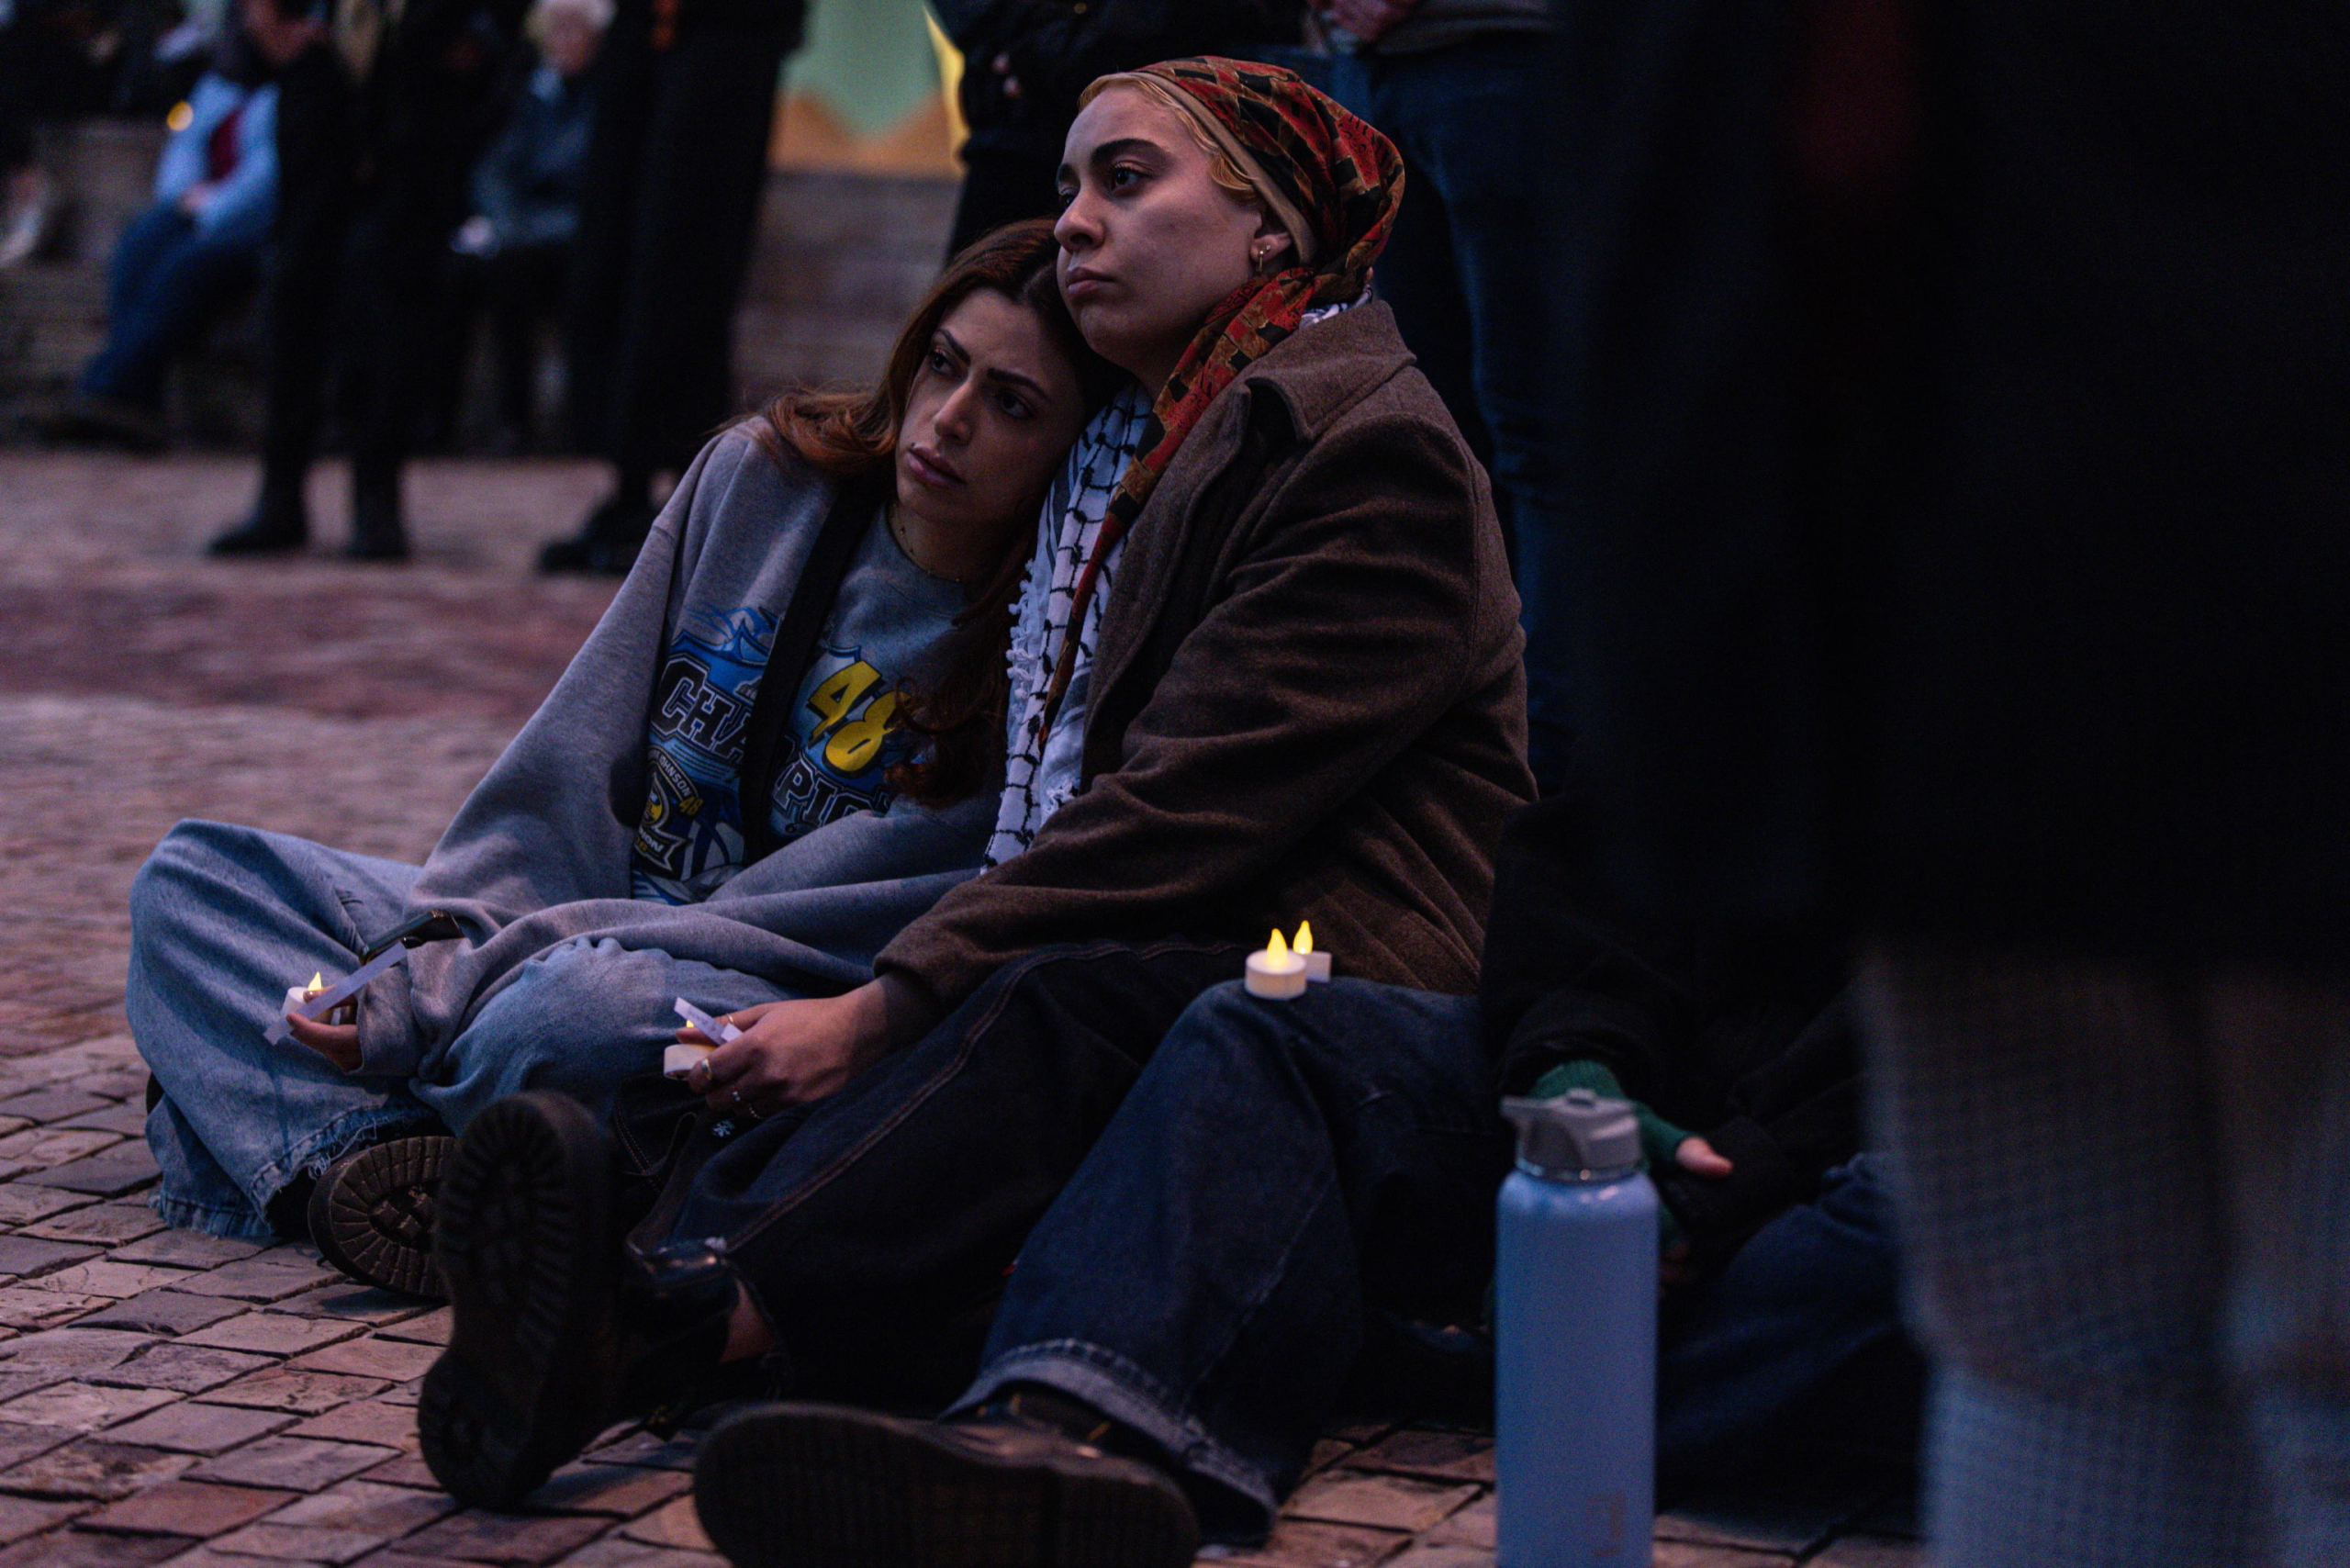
685	94
1464	89
1957	479
201	243
509	255
1026	61
379	115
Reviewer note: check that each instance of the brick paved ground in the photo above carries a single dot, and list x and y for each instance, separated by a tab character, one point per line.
169	1398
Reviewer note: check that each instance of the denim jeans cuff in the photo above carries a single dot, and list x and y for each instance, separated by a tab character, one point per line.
1127	1394
241	1224
373	1123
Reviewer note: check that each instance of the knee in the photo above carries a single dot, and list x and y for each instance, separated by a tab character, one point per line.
190	860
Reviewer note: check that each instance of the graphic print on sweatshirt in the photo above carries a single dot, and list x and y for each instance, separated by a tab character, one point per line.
845	731
692	824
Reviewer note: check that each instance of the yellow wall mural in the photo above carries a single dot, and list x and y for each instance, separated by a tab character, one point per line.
872	89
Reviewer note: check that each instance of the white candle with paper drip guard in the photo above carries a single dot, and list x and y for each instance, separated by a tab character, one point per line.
678	1060
1317	965
321	1005
300	996
1274	973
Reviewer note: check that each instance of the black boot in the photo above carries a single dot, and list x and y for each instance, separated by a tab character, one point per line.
827	1486
371	1214
278	524
556	1333
606	542
376	530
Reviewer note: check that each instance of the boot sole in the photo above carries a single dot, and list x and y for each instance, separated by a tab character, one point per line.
524	1244
372	1214
821	1486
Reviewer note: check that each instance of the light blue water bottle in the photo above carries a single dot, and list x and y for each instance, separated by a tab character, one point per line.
1575	1284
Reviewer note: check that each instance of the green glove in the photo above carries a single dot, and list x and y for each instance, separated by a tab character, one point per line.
1660	1140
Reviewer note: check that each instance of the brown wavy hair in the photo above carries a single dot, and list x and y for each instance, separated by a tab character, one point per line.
958	705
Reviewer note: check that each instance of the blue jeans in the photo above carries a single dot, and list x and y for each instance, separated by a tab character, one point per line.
165	284
1279	1173
1469	274
223	919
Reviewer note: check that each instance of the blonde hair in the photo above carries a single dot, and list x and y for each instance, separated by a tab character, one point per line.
1229	164
596	15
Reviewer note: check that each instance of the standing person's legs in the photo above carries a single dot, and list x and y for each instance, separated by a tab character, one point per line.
1001	187
595	283
1418	277
315	154
2059	1186
703	172
2280	1062
1470	272
222	920
413	201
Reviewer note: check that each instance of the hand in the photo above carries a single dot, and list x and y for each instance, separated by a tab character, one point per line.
1699	1158
791	1052
1369	20
197	197
477	236
338	1043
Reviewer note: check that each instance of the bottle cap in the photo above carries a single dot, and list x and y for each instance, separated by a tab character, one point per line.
1575	1134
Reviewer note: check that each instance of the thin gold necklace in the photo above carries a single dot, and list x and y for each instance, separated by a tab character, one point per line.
897	532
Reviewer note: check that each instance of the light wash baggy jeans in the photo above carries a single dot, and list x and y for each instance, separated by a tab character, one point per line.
223	919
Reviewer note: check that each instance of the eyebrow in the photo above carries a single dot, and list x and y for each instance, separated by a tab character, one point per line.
996	372
1110	151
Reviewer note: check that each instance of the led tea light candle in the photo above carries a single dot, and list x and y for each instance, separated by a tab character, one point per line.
1317	965
299	997
1276	973
678	1060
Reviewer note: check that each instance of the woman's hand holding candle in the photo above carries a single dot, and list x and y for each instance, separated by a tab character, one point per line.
338	1043
791	1052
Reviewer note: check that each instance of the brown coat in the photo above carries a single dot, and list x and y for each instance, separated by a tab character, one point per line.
1309	701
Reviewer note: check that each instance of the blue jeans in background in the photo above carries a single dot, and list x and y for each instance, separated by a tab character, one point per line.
1469	271
165	283
224	919
1279	1173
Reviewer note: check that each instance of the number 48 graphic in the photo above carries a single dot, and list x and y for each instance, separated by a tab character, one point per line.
853	744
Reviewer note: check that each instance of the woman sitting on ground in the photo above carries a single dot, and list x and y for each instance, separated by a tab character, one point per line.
1268	666
669	823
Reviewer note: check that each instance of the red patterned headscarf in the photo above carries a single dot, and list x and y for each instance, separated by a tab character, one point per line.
1329	168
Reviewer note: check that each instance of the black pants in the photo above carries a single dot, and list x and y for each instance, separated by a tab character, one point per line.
674	171
370	183
1001	187
873	1229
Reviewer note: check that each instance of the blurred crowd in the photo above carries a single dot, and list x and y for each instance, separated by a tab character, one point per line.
1914	432
380	182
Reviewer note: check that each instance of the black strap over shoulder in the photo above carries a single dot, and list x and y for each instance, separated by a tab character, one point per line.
795	644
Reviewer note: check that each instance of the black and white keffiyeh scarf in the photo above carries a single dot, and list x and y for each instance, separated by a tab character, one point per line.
1041	764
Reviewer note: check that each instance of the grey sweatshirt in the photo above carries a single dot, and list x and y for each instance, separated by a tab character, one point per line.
538	854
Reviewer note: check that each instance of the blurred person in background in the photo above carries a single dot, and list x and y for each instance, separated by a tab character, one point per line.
1464	89
182	261
1026	61
1957	471
379	115
510	256
684	98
